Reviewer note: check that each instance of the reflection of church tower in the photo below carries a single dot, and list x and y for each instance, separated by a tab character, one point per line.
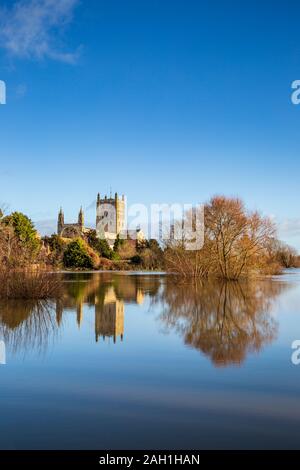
140	297
79	313
109	317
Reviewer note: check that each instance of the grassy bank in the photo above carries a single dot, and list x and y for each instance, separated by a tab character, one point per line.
24	284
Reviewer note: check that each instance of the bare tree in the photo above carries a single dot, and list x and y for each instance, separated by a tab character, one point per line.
236	243
284	254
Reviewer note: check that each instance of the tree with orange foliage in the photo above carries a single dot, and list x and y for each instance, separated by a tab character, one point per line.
236	243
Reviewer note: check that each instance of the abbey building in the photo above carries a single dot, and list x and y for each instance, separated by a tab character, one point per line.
110	222
74	230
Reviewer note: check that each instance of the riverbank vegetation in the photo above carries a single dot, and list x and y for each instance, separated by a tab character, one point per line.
22	271
237	243
29	284
92	253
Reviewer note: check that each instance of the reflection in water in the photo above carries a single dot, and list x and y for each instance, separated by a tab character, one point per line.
225	321
27	325
107	294
109	316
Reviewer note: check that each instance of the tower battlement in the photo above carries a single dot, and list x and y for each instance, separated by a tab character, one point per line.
110	221
110	218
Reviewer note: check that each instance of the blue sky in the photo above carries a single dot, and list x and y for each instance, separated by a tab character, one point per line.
165	101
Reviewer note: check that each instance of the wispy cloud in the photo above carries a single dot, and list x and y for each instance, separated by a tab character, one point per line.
32	29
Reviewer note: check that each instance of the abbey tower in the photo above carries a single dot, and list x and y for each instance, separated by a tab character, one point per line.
110	217
110	222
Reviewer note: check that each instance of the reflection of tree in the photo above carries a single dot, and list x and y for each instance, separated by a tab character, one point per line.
225	320
27	325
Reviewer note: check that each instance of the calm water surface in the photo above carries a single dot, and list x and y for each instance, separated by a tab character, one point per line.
136	361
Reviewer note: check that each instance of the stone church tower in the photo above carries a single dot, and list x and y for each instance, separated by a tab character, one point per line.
61	222
81	219
70	230
110	218
110	222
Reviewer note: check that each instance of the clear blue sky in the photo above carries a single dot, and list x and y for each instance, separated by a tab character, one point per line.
165	101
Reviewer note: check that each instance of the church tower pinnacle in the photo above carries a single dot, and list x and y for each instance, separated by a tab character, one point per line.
81	218
60	222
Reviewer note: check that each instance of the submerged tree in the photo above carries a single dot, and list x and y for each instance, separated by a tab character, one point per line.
235	243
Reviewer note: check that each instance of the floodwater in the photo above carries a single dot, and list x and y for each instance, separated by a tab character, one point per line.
138	361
